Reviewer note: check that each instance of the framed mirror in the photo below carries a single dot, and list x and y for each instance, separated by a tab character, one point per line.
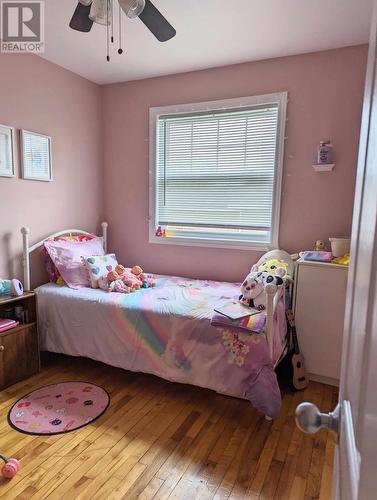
36	156
7	151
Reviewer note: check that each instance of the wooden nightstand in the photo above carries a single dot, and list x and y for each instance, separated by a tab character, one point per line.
19	347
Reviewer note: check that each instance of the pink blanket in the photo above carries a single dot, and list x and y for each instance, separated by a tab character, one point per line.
166	331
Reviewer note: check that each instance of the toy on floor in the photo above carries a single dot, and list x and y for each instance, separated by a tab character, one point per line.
10	468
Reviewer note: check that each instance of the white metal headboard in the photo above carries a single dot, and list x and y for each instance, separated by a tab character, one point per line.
27	249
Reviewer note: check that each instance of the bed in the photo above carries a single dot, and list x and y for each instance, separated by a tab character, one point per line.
166	331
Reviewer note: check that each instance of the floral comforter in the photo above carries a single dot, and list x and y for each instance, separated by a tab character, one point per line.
165	331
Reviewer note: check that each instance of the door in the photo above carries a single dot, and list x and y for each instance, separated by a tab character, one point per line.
355	418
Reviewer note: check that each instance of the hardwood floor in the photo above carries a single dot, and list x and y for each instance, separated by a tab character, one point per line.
162	440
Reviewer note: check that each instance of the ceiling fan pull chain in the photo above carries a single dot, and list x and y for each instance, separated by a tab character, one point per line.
120	50
112	21
107	31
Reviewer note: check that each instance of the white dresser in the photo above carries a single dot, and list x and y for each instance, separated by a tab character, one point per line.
319	303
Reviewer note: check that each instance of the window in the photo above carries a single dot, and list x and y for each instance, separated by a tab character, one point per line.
216	172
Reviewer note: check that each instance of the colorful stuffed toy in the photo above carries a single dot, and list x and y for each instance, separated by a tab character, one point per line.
271	266
128	278
252	292
253	288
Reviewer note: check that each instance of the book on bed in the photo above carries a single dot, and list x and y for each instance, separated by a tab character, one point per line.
235	310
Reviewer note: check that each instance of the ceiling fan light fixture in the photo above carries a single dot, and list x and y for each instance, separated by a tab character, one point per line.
132	8
100	12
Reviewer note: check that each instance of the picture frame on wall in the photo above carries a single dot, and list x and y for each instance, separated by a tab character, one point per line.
36	156
7	151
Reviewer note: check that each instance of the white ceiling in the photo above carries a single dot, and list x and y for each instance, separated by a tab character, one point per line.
209	33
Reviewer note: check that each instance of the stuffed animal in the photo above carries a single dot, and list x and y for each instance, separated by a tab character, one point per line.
253	288
320	245
271	266
252	292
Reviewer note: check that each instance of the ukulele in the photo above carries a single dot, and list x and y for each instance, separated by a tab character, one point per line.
300	377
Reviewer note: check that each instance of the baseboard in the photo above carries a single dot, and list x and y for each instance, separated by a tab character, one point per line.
324	380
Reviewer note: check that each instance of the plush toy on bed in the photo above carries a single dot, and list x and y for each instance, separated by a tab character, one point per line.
252	292
253	288
126	280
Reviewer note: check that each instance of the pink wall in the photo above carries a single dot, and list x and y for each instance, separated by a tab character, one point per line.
325	98
40	96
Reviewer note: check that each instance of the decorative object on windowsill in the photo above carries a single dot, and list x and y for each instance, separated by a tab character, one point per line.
11	287
160	232
325	157
102	12
36	156
7	149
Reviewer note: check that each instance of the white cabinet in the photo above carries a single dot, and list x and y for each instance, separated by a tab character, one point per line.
319	302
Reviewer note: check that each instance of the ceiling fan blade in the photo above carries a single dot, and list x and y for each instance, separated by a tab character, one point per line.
80	20
156	23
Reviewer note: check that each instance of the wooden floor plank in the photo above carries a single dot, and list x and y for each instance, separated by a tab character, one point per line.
161	440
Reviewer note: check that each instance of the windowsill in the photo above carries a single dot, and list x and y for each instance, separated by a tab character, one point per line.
211	243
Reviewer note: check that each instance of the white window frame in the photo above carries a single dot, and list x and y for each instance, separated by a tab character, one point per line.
279	98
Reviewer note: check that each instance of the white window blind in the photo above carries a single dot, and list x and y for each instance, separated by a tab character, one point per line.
216	173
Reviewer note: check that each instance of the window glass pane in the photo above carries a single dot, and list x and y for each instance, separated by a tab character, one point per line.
215	173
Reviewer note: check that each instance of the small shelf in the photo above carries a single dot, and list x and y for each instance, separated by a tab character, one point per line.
324	168
18	328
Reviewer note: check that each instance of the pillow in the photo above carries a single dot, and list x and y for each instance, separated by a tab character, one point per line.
52	272
67	257
99	266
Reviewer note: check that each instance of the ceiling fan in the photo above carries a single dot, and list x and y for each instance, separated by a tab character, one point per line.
88	12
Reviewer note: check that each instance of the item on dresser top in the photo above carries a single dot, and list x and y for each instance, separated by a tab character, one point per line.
316	256
343	261
11	287
52	271
300	378
67	257
99	266
7	324
340	246
320	246
251	323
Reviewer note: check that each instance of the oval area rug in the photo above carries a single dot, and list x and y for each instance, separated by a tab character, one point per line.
58	408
